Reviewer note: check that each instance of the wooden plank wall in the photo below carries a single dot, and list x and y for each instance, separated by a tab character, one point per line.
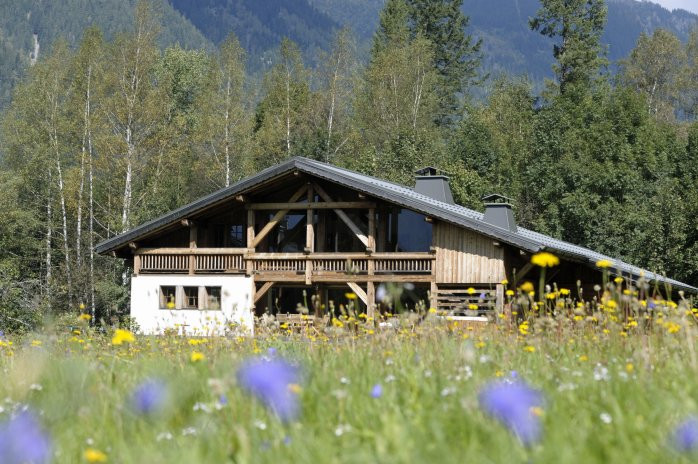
464	256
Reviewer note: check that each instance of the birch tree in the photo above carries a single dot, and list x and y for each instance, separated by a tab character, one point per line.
131	105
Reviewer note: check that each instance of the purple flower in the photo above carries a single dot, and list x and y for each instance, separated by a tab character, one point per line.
686	435
513	404
22	441
274	382
377	391
149	397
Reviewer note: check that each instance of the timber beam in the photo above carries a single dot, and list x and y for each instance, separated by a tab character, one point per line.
358	291
277	217
312	205
262	291
343	216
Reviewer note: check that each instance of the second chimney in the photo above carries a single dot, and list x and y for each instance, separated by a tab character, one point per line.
498	211
433	183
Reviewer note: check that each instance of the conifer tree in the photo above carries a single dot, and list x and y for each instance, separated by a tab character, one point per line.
456	55
576	26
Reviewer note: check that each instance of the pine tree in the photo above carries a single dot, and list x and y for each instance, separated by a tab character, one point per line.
456	56
393	28
577	26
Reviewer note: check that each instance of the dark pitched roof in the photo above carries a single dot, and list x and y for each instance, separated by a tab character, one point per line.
406	197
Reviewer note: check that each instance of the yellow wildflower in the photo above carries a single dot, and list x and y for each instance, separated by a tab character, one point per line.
618	280
603	263
505	282
480	344
526	287
673	327
564	291
36	342
121	336
197	356
170	305
530	349
584	358
350	296
94	455
84	317
470	290
629	368
510	292
545	259
473	307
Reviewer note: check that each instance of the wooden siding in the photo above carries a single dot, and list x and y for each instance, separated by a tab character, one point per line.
464	256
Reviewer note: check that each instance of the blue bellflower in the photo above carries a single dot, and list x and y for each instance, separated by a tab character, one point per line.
271	381
377	391
686	435
23	441
149	397
513	403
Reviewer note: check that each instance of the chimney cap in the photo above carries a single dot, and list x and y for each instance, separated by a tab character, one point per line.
431	171
496	198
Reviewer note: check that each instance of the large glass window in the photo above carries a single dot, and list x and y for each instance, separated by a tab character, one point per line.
289	235
408	231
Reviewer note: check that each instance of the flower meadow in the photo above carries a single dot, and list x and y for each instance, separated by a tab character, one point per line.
607	379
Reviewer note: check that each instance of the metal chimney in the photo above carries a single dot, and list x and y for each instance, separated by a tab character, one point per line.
498	211
433	183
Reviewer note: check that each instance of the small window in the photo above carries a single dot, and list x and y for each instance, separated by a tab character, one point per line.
213	298
237	238
167	297
191	298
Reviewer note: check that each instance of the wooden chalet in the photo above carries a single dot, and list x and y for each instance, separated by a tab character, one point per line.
305	229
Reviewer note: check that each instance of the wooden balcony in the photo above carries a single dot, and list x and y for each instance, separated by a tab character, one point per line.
271	267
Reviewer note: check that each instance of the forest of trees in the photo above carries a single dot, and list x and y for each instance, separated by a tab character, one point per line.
103	136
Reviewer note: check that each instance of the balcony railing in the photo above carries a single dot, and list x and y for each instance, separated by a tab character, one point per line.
242	260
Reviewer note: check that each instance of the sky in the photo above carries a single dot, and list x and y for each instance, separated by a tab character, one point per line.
690	5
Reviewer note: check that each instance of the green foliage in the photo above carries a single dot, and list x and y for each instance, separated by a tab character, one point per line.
457	56
576	26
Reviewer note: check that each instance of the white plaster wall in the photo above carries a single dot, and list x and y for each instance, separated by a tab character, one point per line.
236	313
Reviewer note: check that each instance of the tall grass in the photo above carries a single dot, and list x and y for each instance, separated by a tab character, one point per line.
617	379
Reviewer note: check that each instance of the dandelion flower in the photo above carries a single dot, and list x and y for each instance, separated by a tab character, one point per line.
121	336
197	356
350	296
526	287
84	317
270	381
545	259
94	455
23	441
513	405
603	263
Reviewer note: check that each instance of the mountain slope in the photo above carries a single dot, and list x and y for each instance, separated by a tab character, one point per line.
260	25
508	43
29	25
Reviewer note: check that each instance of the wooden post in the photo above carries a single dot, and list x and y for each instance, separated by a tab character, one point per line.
433	295
136	264
309	237
309	230
250	240
371	300
499	299
192	246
